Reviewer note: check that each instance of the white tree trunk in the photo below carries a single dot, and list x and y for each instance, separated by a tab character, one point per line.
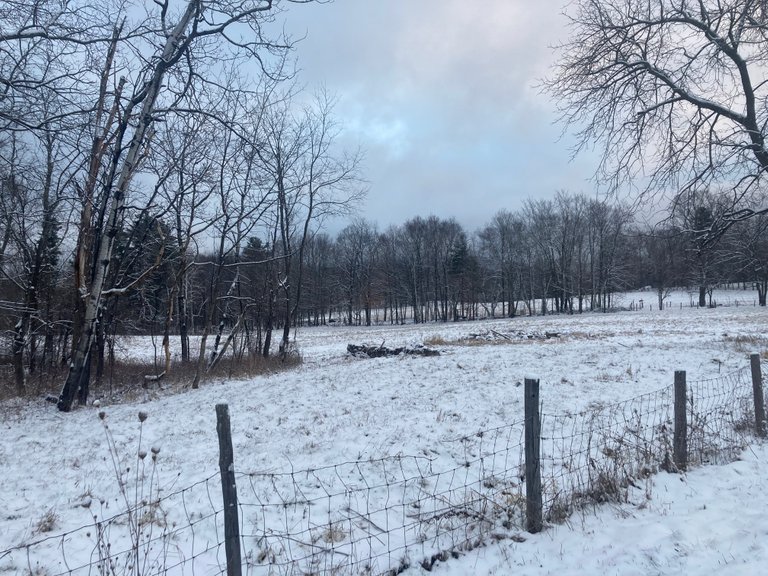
79	370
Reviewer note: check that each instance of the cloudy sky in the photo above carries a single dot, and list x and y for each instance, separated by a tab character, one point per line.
442	96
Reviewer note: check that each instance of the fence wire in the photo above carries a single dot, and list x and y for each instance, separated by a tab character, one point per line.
721	418
382	516
175	533
594	456
385	515
597	455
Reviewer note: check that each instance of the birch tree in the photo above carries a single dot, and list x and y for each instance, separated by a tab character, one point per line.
184	40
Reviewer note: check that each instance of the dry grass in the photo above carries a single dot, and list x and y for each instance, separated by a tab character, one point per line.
513	339
47	522
128	384
477	342
473	342
40	383
748	343
125	380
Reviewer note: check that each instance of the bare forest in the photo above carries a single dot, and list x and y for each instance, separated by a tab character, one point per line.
163	173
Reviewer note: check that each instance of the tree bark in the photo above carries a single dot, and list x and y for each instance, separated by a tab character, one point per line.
79	371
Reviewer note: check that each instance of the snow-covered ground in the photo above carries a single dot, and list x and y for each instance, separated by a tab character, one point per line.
58	473
710	521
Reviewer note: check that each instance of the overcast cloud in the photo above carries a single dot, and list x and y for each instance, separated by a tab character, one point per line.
442	96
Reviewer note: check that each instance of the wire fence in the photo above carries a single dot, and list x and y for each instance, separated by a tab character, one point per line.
386	515
593	456
721	418
382	516
172	534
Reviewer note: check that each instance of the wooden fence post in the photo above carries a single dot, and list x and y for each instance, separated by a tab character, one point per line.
533	497
680	442
229	491
757	391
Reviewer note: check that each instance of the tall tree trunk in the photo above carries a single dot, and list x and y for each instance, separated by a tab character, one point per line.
101	348
268	330
183	313
201	358
210	314
167	329
79	371
284	341
17	352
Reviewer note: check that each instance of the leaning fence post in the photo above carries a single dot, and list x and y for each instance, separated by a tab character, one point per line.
680	442
533	499
757	390
229	491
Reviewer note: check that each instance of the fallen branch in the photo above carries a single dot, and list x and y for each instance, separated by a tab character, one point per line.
361	350
149	378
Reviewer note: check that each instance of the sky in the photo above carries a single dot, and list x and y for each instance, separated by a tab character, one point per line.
443	98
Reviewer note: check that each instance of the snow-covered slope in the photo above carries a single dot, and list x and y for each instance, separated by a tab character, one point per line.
336	408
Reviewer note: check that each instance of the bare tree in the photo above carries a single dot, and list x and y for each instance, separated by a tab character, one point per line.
312	180
37	169
242	202
184	166
320	279
672	91
604	243
751	244
497	244
357	251
694	213
182	46
42	46
661	256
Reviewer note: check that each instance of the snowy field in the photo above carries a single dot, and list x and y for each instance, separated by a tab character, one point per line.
58	472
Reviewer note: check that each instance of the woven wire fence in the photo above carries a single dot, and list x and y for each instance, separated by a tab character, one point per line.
593	456
721	418
597	455
176	533
382	516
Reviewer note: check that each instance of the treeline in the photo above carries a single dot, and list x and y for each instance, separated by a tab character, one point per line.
553	256
567	255
153	182
243	287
